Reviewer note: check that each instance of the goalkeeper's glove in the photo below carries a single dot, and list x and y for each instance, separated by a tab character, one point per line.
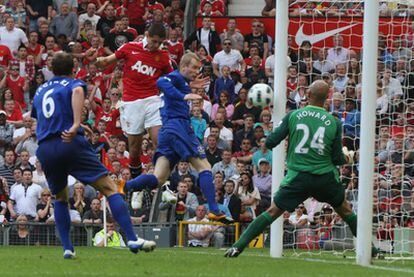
349	155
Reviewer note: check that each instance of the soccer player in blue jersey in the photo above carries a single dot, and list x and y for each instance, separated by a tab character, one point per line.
63	150
176	139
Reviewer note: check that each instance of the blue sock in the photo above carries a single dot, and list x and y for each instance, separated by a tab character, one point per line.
143	181
62	219
121	215
207	188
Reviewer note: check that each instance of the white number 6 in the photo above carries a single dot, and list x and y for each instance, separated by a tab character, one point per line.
48	105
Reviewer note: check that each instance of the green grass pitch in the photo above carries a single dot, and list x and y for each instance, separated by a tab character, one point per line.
48	261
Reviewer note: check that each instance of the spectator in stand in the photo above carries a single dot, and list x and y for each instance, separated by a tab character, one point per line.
225	166
244	108
17	84
175	47
78	201
217	6
270	8
200	235
263	181
351	124
299	218
323	64
198	123
224	83
136	11
95	214
24	197
249	196
6	133
45	206
28	142
337	105
245	133
300	94
224	133
213	153
106	22
113	238
25	62
12	36
354	70
391	86
257	37
228	57
233	34
260	154
117	38
206	35
89	15
5	56
207	10
224	103
231	200
265	122
6	171
39	176
341	79
14	114
182	169
37	9
306	67
34	48
292	80
22	235
186	203
338	54
65	23
256	73
245	154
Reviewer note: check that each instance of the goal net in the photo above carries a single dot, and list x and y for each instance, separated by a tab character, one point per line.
326	42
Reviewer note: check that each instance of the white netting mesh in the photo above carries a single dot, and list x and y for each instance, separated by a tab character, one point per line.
329	44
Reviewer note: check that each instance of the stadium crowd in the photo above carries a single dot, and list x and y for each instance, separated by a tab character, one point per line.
232	130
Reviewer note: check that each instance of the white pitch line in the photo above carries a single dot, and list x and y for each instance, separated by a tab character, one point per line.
395	269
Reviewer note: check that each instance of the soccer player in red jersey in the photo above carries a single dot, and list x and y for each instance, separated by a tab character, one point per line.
144	63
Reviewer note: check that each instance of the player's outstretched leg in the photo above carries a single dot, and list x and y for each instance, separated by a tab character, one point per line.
207	188
62	219
345	211
253	230
144	181
121	215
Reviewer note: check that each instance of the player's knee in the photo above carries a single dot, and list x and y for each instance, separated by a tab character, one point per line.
274	211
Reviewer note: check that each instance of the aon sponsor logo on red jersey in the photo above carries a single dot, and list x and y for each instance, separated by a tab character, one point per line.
144	69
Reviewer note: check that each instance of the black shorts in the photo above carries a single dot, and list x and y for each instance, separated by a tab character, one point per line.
296	187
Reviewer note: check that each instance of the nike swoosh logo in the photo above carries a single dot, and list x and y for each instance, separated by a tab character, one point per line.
314	38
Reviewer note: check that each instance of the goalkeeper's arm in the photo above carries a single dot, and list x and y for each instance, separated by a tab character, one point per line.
279	134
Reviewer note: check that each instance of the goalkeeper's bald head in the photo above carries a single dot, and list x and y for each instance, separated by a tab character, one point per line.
318	92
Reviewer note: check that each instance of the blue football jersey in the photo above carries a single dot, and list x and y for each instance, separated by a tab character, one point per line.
175	87
52	106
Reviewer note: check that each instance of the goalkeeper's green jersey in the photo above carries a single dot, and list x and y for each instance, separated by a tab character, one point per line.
315	140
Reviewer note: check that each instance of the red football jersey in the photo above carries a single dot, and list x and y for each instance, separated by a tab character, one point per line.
176	50
142	69
135	10
216	5
5	55
110	119
34	51
16	87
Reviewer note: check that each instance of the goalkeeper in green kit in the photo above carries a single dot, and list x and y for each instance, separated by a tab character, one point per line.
314	152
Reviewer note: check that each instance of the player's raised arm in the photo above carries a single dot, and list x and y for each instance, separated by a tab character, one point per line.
166	85
279	134
338	157
103	62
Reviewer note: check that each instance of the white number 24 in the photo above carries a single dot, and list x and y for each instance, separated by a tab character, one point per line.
316	143
48	105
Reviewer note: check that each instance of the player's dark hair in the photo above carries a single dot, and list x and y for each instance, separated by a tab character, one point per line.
62	64
157	29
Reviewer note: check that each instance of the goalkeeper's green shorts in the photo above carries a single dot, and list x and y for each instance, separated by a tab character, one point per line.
296	187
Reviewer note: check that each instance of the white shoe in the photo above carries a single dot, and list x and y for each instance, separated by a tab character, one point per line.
141	244
136	200
168	195
69	254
